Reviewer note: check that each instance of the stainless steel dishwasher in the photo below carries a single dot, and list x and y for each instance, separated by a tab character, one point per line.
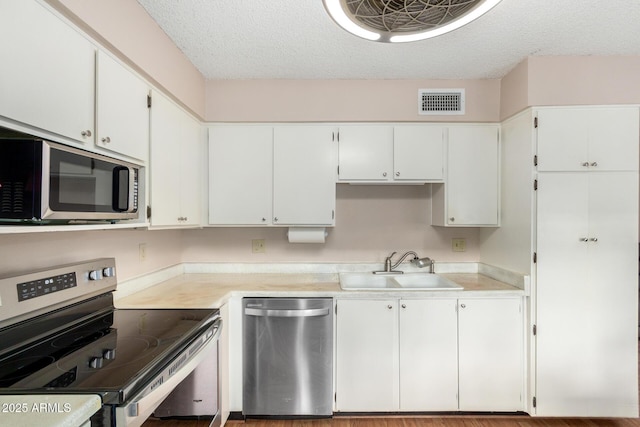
287	357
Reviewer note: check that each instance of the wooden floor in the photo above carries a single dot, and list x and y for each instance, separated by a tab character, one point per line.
429	421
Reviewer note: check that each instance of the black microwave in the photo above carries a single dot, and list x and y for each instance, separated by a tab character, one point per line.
45	182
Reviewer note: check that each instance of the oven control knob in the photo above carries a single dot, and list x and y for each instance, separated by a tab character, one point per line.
95	275
96	362
109	272
109	354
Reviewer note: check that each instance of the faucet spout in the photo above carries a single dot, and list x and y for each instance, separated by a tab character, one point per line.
406	254
389	266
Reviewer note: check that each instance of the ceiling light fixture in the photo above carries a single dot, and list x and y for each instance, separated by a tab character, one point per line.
398	21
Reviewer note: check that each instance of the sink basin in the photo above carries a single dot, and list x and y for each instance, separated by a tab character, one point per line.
366	281
395	282
424	281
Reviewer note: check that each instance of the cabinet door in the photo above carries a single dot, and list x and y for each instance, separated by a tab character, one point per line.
191	178
48	71
428	355
121	110
491	367
581	139
175	166
240	175
367	355
587	294
418	153
366	153
472	184
304	175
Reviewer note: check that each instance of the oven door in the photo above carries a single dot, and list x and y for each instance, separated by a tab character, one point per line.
78	185
136	410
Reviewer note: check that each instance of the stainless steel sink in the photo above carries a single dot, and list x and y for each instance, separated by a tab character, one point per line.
395	282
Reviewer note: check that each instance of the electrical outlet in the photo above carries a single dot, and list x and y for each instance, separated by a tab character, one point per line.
458	245
258	246
142	251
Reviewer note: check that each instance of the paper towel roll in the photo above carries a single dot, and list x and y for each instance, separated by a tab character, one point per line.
307	234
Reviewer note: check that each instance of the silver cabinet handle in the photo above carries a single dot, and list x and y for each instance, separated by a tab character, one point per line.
311	312
593	239
585	164
404	305
452	219
594	164
584	239
389	306
384	174
264	219
463	306
275	219
86	133
397	173
106	139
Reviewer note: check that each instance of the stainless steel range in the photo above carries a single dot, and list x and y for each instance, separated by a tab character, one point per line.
60	333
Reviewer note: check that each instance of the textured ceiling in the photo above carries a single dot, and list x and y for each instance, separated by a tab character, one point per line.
296	39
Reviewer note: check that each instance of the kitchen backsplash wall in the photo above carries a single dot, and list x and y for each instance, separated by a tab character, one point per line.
371	222
31	251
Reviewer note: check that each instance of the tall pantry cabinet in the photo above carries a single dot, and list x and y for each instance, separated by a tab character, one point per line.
586	293
570	216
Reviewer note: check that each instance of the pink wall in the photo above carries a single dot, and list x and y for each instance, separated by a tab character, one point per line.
570	80
25	252
342	100
371	222
126	29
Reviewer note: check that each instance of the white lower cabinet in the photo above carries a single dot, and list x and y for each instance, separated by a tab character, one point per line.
367	355
429	355
490	354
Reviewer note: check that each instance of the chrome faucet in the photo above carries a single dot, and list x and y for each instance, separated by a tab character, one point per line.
389	267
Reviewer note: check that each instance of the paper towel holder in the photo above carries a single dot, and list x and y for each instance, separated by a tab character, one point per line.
307	234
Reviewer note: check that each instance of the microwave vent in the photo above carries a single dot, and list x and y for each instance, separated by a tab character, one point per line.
441	101
12	197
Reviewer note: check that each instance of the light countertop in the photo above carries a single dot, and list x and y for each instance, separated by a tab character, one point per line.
212	290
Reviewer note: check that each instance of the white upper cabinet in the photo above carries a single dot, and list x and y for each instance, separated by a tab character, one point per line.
470	195
47	77
385	153
418	153
581	139
175	166
261	175
60	84
365	153
121	109
240	175
304	175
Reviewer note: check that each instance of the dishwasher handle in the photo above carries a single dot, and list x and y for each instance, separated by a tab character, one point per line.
310	312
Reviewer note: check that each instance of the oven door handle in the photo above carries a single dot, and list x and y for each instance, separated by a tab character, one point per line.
143	404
